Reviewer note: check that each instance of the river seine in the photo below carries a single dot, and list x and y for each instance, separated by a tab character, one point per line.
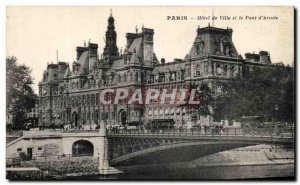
278	172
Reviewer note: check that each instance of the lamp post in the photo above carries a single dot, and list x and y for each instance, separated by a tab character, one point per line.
276	108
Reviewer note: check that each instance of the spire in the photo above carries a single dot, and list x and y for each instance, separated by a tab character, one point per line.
110	38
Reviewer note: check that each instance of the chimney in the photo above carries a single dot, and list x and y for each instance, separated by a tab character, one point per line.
79	51
130	38
264	56
148	44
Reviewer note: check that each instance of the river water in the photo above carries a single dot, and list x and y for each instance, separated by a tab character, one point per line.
278	171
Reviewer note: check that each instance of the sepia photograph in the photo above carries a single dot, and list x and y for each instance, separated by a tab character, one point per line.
150	93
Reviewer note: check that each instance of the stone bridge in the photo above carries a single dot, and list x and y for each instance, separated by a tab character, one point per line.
118	147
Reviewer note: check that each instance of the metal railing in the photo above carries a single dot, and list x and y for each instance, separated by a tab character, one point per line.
194	132
51	158
81	131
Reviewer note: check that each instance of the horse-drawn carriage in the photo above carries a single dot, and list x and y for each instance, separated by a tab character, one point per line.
256	126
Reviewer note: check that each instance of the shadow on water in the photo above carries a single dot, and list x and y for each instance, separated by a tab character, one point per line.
267	172
175	164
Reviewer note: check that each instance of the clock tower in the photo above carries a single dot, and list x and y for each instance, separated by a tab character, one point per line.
111	48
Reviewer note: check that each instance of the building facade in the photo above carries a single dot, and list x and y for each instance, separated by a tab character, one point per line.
33	115
71	94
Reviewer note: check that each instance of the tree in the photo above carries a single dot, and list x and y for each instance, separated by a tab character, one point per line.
20	97
204	95
266	92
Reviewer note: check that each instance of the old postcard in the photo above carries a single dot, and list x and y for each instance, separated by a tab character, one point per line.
161	93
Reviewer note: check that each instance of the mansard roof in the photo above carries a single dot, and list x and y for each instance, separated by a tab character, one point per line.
133	54
119	63
67	73
82	62
213	41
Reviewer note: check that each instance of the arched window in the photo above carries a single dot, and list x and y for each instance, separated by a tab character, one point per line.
219	70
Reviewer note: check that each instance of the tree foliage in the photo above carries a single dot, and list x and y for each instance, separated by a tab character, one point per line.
204	96
20	97
265	92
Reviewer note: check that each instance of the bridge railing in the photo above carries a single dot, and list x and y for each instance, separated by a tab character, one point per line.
63	157
80	131
258	132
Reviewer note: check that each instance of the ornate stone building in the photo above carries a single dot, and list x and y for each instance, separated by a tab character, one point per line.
72	94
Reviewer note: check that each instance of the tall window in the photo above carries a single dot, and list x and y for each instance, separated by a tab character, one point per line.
232	71
200	48
119	78
198	72
182	74
206	67
130	76
142	77
88	99
219	70
225	70
97	98
161	77
93	99
136	77
172	76
187	71
125	78
156	77
96	114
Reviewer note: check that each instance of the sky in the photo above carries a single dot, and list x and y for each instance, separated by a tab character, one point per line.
34	34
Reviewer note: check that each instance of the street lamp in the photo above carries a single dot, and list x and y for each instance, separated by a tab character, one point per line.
276	108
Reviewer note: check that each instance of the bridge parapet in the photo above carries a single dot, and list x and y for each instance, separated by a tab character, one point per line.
59	132
287	133
81	133
42	133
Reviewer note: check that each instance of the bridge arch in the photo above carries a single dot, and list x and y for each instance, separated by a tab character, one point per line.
199	148
122	117
82	148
